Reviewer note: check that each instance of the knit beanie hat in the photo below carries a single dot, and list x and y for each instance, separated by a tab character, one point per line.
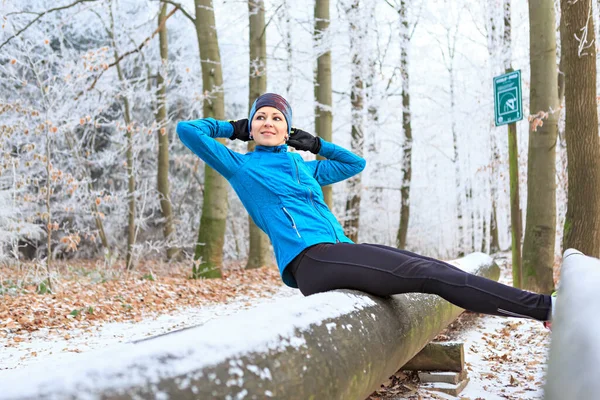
272	100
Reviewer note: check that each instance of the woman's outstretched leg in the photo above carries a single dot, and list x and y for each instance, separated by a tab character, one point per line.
384	271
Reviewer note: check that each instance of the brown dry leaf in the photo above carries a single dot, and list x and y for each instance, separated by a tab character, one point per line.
81	302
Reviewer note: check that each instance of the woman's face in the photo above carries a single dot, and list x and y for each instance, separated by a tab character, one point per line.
269	127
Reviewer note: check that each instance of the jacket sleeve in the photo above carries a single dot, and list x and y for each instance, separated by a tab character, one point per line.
340	164
199	136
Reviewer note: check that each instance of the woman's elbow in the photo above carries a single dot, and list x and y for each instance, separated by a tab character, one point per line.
362	164
183	129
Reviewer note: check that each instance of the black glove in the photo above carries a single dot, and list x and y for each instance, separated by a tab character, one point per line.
240	130
301	140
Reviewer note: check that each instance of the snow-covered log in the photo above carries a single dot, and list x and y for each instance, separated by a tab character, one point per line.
336	345
573	367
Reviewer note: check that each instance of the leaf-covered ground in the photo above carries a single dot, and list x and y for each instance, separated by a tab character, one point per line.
94	307
85	296
505	357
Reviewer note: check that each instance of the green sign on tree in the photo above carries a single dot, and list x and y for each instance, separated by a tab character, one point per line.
508	102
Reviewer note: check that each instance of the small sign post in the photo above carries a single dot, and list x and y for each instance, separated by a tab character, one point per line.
508	109
508	100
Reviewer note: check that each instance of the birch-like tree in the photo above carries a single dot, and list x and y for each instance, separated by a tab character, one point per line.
129	148
357	35
448	50
499	49
538	244
259	250
211	234
163	133
322	83
578	61
407	144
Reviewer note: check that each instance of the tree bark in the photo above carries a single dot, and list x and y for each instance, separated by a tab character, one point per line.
163	135
460	201
406	128
582	222
259	242
495	241
499	50
515	206
323	92
540	232
50	225
351	222
211	234
128	154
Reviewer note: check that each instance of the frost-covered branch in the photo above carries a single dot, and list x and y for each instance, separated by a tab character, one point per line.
40	15
122	56
583	45
180	7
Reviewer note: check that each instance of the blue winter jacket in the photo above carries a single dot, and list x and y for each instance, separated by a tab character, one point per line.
281	192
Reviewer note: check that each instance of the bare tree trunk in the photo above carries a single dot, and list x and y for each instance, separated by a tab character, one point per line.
494	238
540	228
323	93
50	225
495	241
516	225
128	154
351	222
85	169
497	46
484	237
516	215
163	136
406	128
448	57
259	242
457	170
582	222
289	49
211	234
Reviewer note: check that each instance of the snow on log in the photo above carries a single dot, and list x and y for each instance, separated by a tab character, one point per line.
335	345
573	368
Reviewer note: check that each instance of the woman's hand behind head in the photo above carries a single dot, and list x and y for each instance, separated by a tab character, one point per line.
301	140
240	130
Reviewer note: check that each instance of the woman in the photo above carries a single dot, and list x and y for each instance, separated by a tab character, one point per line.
282	193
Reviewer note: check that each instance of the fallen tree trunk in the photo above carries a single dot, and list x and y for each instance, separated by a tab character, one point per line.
575	350
336	345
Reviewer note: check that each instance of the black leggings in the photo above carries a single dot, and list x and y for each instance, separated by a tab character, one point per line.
384	271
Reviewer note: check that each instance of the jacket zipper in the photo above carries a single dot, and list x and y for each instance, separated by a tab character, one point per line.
313	203
293	222
510	313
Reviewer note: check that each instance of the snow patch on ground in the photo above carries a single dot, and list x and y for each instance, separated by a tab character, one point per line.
39	346
506	359
123	366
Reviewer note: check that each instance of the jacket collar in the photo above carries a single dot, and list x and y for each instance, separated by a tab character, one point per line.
273	149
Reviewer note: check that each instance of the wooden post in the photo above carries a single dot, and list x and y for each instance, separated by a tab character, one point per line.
515	209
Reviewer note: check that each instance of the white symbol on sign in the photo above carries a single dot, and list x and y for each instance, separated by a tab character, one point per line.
510	104
507	101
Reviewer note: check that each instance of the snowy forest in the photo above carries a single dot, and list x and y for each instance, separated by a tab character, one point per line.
91	92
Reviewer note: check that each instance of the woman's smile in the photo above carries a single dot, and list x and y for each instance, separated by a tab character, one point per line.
269	127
